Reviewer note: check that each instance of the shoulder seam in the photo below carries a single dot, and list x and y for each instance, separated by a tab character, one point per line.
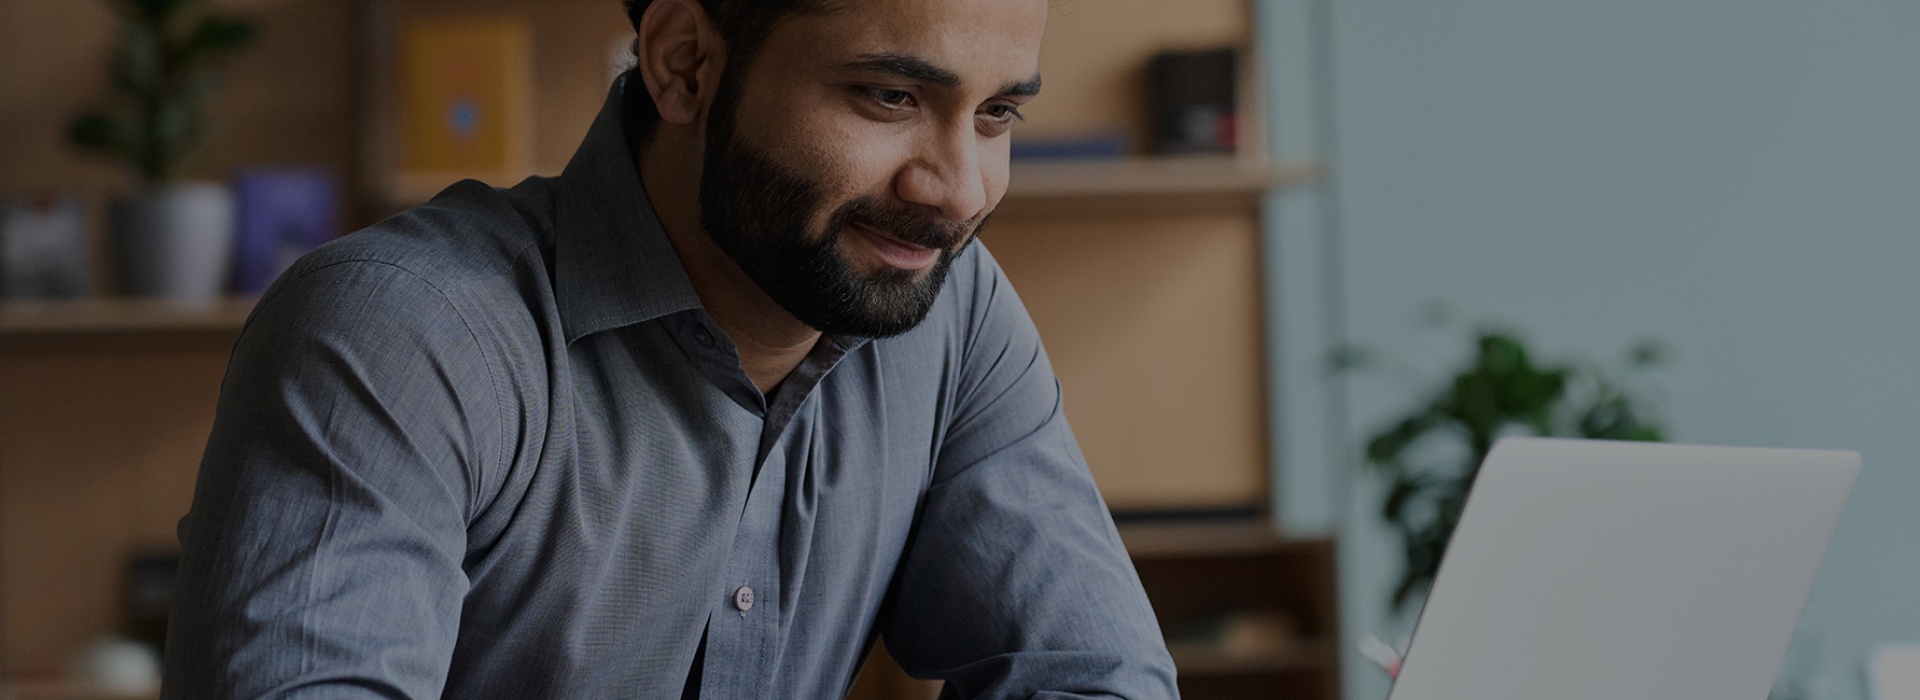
493	375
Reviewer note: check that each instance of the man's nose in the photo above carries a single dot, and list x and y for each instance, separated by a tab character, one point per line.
947	177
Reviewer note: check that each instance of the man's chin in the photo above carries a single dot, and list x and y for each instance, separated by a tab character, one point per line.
884	303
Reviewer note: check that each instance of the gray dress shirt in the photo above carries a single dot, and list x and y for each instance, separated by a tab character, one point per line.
493	448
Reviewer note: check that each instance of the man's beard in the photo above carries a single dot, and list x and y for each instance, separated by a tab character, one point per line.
757	211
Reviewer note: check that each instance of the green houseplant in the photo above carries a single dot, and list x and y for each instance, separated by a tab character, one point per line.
170	238
1428	456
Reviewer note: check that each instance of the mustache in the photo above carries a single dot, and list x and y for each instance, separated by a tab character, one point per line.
906	223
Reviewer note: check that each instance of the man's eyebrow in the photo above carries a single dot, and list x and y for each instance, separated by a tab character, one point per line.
916	68
906	66
1026	89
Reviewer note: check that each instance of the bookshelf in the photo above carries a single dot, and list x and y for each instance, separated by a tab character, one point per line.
1143	274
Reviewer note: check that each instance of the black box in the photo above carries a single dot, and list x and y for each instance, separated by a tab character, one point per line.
1193	101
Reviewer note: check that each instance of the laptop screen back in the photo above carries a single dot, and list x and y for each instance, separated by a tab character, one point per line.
1585	570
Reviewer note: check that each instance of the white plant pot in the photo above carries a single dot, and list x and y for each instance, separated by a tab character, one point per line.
174	241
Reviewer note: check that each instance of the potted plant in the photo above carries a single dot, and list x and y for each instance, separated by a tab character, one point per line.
170	238
1428	456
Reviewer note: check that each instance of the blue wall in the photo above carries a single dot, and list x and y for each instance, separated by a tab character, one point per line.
1740	178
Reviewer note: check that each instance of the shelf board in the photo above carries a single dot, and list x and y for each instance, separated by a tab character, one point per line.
1210	539
1199	661
1133	185
20	319
1133	177
64	690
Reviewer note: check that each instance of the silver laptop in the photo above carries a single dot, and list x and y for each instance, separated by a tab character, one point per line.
1585	570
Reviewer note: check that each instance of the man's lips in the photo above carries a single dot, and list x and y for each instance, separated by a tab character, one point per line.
896	252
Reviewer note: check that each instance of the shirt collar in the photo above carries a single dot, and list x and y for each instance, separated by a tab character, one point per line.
614	264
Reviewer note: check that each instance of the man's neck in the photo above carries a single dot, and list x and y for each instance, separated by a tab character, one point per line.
771	341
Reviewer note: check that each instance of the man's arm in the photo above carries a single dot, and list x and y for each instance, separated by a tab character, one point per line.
1016	584
322	556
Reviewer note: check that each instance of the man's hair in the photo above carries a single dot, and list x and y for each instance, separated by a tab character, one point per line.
743	25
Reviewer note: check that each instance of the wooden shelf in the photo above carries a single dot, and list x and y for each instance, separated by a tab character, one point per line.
23	319
63	690
1199	661
1208	539
1150	176
1133	185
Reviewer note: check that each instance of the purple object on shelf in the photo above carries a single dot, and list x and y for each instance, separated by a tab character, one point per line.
1082	147
283	213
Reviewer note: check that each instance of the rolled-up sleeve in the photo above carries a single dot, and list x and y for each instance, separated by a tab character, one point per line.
322	555
1015	584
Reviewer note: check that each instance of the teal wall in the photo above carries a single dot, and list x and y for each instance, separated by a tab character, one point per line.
1740	178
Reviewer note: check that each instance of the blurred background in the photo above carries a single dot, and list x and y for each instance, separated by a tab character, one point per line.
1257	235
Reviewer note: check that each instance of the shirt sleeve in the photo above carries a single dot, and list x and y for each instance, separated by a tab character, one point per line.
322	555
1015	584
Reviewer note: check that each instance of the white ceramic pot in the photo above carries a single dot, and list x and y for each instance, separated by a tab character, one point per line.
174	241
118	667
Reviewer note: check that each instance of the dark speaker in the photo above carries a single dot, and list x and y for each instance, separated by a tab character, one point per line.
1192	94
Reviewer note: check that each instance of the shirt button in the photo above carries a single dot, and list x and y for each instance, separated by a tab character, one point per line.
700	333
743	599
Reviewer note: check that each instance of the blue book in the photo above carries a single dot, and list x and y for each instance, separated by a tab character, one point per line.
1087	147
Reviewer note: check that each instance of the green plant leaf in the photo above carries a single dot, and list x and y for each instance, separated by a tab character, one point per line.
1349	359
162	11
1387	447
163	68
1648	353
217	35
137	63
1405	489
175	129
98	131
1500	389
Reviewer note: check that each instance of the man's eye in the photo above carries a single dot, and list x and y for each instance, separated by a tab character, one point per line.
1004	113
891	98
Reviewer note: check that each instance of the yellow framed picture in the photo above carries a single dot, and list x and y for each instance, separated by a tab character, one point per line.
464	97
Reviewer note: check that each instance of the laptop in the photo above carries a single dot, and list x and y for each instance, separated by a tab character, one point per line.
1588	570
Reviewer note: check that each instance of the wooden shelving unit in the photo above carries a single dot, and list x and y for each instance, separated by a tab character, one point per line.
29	319
1142	274
1214	572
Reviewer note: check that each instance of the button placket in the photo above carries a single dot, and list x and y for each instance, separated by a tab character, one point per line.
744	646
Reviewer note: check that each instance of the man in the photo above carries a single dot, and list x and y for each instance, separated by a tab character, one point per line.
701	417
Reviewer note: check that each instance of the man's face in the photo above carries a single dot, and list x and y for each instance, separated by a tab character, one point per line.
861	149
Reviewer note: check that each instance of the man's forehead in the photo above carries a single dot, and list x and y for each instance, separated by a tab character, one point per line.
953	43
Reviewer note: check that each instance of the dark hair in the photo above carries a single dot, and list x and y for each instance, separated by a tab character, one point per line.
743	24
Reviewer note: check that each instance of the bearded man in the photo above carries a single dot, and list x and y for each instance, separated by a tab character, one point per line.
704	416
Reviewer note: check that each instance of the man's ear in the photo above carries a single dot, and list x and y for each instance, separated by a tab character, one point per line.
680	59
